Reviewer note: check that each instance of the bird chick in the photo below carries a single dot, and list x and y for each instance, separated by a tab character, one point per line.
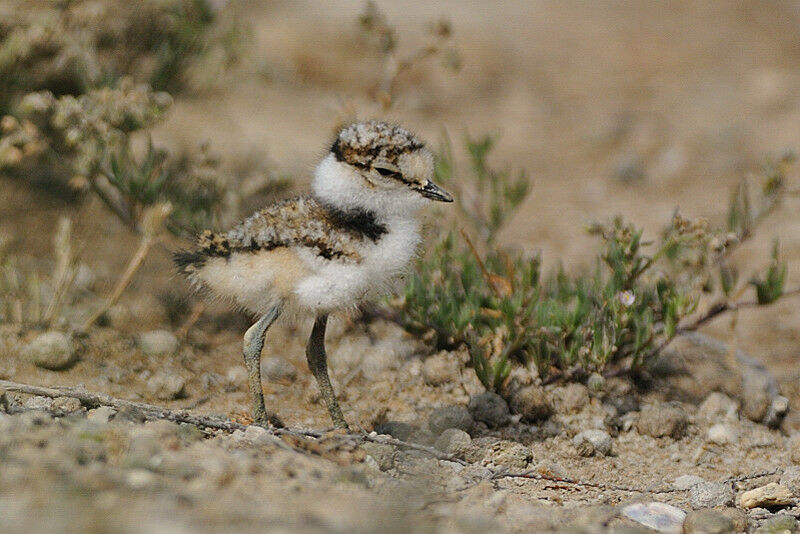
323	253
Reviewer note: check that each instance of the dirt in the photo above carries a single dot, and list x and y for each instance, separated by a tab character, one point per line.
611	108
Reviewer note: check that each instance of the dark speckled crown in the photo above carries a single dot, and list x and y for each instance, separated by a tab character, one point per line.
361	143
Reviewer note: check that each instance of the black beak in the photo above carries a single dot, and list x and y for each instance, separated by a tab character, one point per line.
434	192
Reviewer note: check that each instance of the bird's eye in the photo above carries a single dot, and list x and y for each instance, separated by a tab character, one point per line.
386	172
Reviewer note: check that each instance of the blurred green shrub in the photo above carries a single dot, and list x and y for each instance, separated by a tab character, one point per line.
568	326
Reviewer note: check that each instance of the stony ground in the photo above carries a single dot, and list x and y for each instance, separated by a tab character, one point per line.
608	452
610	109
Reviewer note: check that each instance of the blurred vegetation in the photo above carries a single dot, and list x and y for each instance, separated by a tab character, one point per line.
82	83
617	317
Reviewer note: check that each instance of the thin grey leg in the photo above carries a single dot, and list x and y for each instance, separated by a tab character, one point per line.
253	343
318	364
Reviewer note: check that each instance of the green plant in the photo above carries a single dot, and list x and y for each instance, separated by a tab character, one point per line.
637	299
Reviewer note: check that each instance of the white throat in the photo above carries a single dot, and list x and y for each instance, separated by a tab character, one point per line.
338	184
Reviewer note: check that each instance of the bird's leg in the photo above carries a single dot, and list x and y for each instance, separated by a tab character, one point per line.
318	364
253	343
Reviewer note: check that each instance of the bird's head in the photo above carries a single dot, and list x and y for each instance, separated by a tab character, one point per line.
376	166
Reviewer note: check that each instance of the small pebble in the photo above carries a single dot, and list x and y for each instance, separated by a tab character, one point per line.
770	496
166	385
453	441
718	406
157	342
52	350
383	454
532	403
65	405
441	368
277	369
571	398
722	434
101	415
662	420
778	524
450	417
489	408
591	442
710	495
707	522
659	516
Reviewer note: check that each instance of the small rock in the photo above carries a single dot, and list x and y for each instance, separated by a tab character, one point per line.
756	395
596	382
157	342
722	434
710	495
101	415
276	369
509	454
165	385
571	398
258	436
662	420
397	429
591	442
778	409
737	516
453	441
65	405
791	479
718	406
532	404
52	350
489	408
450	417
707	522
37	402
685	482
778	524
383	454
770	496
441	368
656	515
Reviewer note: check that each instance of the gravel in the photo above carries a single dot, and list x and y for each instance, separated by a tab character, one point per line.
663	420
52	350
710	495
490	408
450	417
